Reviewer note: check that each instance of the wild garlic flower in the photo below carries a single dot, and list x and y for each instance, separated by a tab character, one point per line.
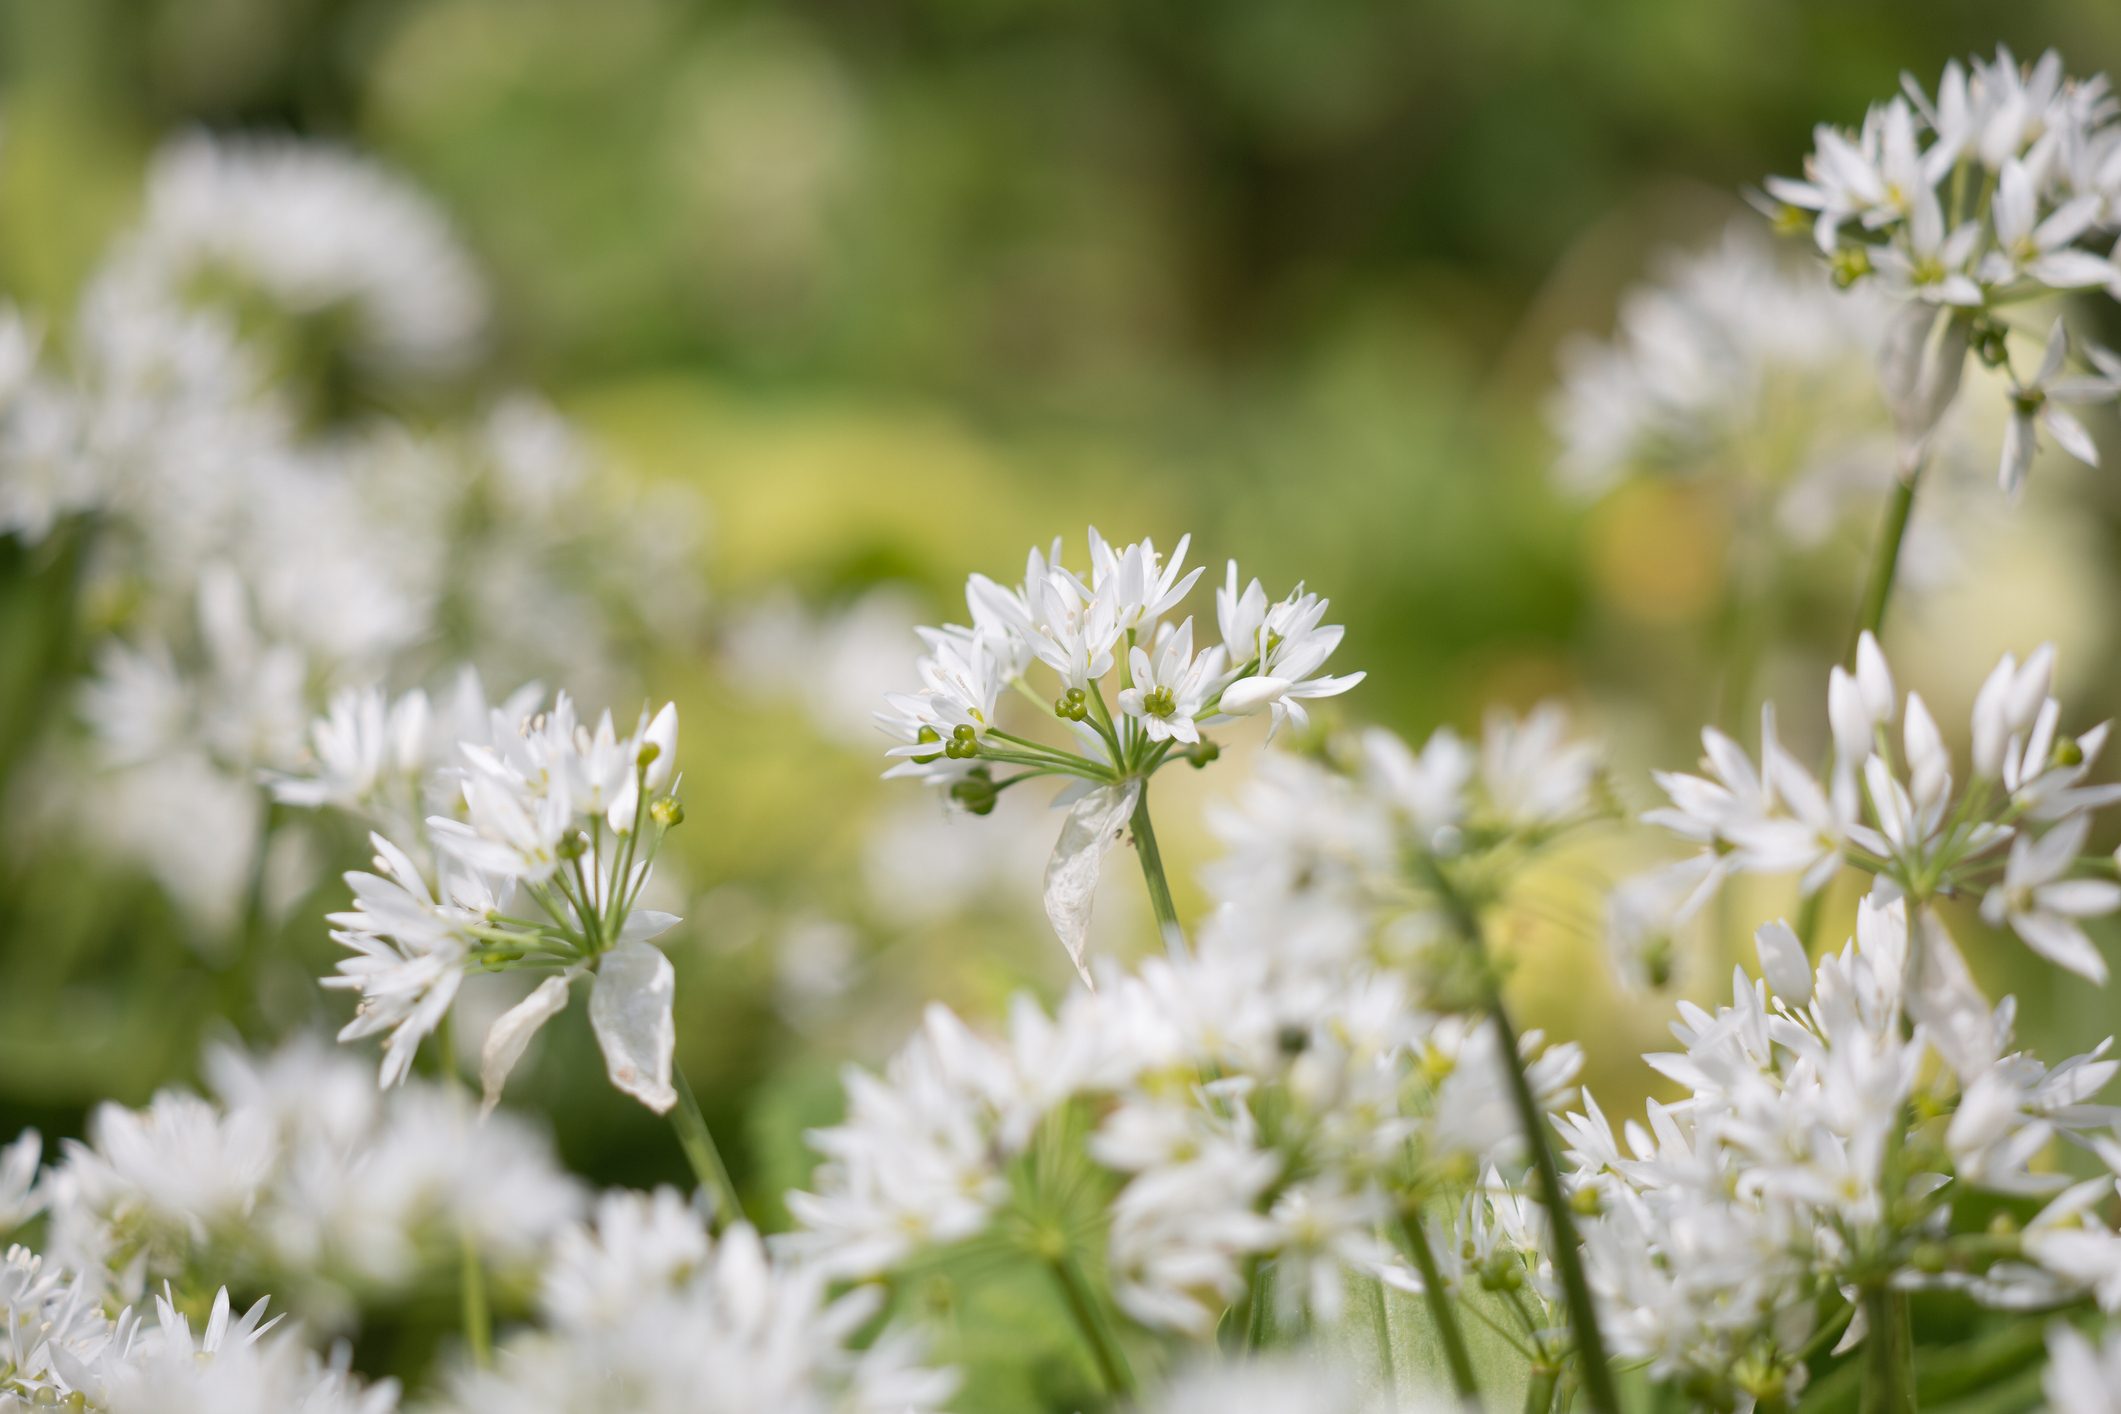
1376	853
1279	1092
22	1197
2000	189
645	1301
43	478
1733	359
1236	1113
59	1349
316	234
1112	628
298	1176
2082	1378
1834	1117
2012	836
538	867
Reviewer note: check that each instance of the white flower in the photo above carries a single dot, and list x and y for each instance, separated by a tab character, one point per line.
2082	1378
411	948
21	1196
2035	409
318	231
1137	584
1170	686
1325	1232
711	1328
2042	905
2028	246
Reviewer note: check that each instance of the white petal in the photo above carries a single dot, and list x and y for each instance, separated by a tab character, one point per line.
2069	434
1783	963
630	1010
1095	823
510	1035
1875	679
645	923
1920	364
2060	942
1248	695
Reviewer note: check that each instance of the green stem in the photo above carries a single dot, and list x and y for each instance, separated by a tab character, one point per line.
239	983
478	1315
1111	1364
1153	874
1597	1369
700	1151
1455	1354
1568	1253
1885	557
1256	1313
1388	1364
1888	1371
471	1273
1539	1394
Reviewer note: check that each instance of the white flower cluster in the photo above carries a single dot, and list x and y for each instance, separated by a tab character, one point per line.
1280	1096
1112	624
1833	1123
298	1178
645	1311
1115	621
59	1350
1733	359
238	520
2004	187
533	813
2012	837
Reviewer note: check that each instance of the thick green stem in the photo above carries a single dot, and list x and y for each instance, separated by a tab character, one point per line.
1111	1363
700	1151
1153	873
1888	1369
1539	1394
1455	1354
1885	556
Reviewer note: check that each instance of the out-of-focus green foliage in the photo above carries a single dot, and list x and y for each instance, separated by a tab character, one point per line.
908	285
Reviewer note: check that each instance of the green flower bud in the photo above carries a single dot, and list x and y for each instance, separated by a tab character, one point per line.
926	734
975	793
572	846
1201	753
669	812
1850	264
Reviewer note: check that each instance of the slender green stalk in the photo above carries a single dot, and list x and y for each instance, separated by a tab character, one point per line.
1539	1394
1153	872
478	1315
1455	1354
1387	1361
471	1273
700	1151
1597	1369
1568	1253
239	981
1256	1311
1111	1363
1885	556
